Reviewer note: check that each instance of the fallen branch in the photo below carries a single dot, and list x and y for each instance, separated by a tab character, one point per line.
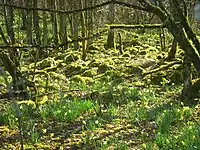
137	26
164	67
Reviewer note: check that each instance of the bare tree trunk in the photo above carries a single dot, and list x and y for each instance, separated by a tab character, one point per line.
36	22
53	5
76	25
89	23
45	30
9	19
63	24
29	22
83	32
172	52
111	17
187	94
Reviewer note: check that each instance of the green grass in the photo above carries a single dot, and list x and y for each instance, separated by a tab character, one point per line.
105	111
64	110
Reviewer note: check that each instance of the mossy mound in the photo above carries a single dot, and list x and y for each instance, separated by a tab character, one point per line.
91	72
113	74
74	68
95	62
157	78
81	79
126	55
105	67
72	57
99	62
132	50
45	63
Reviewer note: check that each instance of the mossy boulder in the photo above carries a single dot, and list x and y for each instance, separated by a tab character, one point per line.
157	78
143	52
104	67
72	57
74	68
132	50
134	69
99	62
113	74
81	79
91	72
126	55
95	63
45	63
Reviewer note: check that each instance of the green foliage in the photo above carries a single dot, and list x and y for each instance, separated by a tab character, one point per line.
64	110
103	102
164	122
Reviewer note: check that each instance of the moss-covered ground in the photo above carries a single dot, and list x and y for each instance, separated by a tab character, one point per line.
109	101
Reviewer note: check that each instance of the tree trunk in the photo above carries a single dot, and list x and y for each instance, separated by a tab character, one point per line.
83	32
187	95
62	25
45	30
75	23
172	52
54	22
28	25
111	17
36	22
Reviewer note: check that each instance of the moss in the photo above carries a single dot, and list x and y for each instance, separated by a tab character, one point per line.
74	68
151	49
132	50
143	52
72	57
94	47
157	78
113	74
91	72
95	63
134	69
45	63
126	55
81	79
104	67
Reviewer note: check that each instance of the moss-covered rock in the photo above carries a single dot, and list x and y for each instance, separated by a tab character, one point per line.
126	55
72	57
143	52
132	50
157	78
134	69
81	79
45	63
74	68
104	67
113	74
95	62
91	72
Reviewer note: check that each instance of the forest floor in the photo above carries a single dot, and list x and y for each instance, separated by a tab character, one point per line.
109	101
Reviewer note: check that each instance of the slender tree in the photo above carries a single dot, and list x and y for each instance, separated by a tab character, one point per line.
111	18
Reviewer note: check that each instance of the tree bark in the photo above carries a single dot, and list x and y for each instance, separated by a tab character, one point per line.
36	22
111	18
28	25
172	52
187	94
